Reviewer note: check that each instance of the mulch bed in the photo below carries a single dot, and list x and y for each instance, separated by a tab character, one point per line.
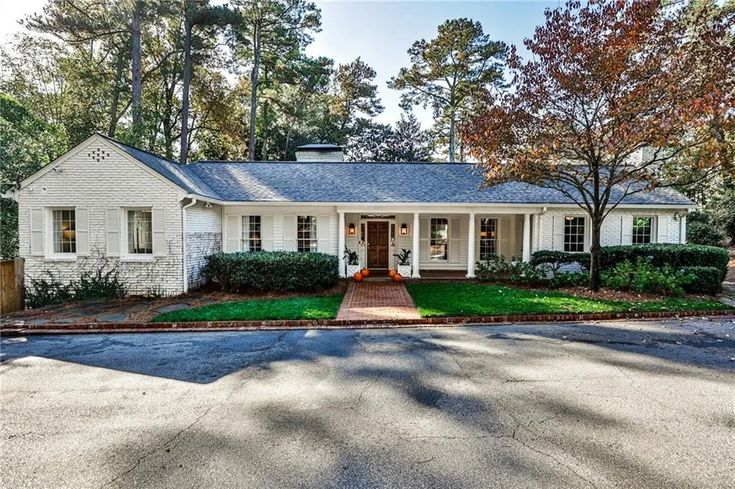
144	309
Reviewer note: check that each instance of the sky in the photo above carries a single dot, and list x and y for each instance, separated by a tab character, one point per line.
379	31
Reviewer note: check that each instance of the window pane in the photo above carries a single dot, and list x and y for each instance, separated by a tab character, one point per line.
488	238
64	231
439	243
642	230
573	234
306	234
140	232
255	242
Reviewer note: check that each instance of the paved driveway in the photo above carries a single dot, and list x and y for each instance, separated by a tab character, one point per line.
649	404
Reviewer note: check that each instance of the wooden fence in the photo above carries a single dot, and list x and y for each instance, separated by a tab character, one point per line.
11	286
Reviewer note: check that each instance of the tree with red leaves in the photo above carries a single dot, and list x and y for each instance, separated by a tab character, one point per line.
618	96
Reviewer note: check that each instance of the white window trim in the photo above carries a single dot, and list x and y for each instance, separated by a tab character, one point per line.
478	240
587	234
314	238
125	254
449	234
244	228
654	227
52	255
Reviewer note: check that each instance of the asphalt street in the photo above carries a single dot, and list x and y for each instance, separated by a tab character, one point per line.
608	404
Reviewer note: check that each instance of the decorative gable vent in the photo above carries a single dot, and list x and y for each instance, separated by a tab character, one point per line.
319	152
98	154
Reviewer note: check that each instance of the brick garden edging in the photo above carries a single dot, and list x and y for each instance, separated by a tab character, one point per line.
58	328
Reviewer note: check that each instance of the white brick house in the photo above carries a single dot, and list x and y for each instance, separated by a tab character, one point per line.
105	202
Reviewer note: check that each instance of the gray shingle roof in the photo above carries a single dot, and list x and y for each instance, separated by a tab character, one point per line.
380	182
173	171
359	182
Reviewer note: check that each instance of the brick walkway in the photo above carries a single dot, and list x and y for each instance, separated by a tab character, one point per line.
377	300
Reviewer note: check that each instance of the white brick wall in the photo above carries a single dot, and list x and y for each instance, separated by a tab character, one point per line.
203	238
111	182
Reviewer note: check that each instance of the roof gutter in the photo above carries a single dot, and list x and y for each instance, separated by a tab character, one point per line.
426	204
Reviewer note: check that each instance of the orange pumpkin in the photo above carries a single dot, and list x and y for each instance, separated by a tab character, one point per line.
365	272
398	278
392	273
358	277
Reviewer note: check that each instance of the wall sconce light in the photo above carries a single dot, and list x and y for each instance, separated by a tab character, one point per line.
404	229
351	229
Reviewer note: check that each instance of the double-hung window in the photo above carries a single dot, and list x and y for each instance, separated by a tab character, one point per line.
140	232
64	230
642	230
439	239
573	234
488	238
251	234
306	240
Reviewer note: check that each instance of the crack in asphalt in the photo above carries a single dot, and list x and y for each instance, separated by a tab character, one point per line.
513	436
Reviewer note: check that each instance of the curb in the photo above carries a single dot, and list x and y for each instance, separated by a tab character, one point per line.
204	326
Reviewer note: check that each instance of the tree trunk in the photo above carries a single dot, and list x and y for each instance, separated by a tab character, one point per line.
264	136
452	143
183	154
137	75
119	69
595	254
254	93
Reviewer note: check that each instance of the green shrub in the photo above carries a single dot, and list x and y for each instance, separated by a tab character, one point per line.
272	270
704	234
704	280
674	255
569	279
555	259
496	269
643	276
97	284
47	291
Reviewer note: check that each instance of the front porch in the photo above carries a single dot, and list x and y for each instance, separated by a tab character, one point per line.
445	243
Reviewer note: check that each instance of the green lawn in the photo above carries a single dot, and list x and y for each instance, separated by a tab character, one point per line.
468	299
307	307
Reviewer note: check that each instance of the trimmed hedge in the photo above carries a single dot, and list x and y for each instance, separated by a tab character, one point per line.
703	280
272	270
675	255
697	260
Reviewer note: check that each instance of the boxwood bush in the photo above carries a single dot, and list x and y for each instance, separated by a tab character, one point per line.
272	270
674	255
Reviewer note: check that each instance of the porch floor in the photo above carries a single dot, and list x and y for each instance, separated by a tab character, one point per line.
377	299
382	275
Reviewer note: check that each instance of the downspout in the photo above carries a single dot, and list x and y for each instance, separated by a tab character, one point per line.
183	242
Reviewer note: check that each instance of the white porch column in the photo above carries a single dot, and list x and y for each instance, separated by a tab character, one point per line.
526	237
341	243
471	246
683	229
415	250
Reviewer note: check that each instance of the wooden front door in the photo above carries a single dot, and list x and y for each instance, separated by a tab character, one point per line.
377	238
